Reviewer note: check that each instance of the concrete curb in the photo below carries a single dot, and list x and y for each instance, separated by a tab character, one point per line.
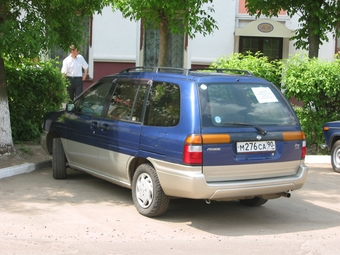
317	159
24	168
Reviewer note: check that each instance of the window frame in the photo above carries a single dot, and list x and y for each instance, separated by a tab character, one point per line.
79	101
260	47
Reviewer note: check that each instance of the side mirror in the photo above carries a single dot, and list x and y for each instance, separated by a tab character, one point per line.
69	107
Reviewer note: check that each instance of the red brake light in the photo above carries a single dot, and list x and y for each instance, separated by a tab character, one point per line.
304	147
192	151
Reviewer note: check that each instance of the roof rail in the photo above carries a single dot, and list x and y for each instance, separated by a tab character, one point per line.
156	69
137	68
183	71
223	70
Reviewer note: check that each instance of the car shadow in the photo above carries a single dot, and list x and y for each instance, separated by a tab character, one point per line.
315	207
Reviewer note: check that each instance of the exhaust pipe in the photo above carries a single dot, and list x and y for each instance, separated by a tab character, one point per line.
207	201
286	194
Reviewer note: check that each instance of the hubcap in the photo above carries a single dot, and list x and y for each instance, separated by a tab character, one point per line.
144	190
336	157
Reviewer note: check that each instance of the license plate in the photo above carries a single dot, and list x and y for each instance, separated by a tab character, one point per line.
257	146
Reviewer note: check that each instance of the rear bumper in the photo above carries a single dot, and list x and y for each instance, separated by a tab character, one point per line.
189	182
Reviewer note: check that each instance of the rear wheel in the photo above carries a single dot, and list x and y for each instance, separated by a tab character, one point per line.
147	193
335	157
255	201
58	159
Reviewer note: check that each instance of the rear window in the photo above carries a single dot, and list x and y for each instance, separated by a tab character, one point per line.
225	104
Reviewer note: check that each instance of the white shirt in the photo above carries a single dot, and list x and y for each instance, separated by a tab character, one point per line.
73	66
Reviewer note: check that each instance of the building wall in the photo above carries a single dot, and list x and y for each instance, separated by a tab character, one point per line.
116	41
106	68
205	50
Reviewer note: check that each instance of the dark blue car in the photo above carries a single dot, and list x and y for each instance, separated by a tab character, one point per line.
331	132
178	133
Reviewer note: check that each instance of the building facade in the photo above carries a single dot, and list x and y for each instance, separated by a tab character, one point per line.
116	43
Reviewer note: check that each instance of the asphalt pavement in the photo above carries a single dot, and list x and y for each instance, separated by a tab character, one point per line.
84	215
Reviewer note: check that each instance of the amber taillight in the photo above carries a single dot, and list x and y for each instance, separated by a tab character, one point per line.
298	136
193	152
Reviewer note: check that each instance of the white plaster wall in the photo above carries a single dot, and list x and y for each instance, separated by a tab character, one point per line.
114	37
205	50
327	50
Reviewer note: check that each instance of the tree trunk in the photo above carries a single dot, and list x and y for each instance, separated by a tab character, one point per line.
163	43
314	44
313	39
6	143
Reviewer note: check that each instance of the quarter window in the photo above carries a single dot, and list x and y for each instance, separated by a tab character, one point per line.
163	107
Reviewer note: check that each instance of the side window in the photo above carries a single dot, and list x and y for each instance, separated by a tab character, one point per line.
127	102
92	103
163	107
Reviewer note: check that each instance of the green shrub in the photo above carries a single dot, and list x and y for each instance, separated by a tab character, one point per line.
256	63
316	83
34	88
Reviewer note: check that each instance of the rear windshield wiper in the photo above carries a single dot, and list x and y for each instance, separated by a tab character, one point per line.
261	130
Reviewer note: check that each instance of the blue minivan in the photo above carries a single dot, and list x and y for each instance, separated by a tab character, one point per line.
181	133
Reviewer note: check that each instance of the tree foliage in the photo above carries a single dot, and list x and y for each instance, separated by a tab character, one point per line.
316	19
29	29
177	16
315	83
256	63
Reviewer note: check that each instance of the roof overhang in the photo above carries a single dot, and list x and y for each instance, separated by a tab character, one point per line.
265	28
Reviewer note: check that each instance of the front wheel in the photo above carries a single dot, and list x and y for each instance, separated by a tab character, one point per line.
255	201
58	159
335	157
147	193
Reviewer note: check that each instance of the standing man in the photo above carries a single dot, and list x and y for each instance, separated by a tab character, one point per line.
72	68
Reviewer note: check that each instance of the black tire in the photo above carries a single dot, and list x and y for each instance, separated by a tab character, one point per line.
58	160
335	156
255	201
147	193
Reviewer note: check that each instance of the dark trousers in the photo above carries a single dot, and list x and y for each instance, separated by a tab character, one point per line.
76	87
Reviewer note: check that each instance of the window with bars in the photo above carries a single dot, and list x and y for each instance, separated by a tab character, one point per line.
151	46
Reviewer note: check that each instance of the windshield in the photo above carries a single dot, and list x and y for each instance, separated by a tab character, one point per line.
255	104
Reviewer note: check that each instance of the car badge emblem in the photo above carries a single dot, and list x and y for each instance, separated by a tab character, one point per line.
259	137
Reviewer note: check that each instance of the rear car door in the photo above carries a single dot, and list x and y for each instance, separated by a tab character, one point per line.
120	128
160	136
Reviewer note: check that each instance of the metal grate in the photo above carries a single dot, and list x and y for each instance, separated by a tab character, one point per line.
175	48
